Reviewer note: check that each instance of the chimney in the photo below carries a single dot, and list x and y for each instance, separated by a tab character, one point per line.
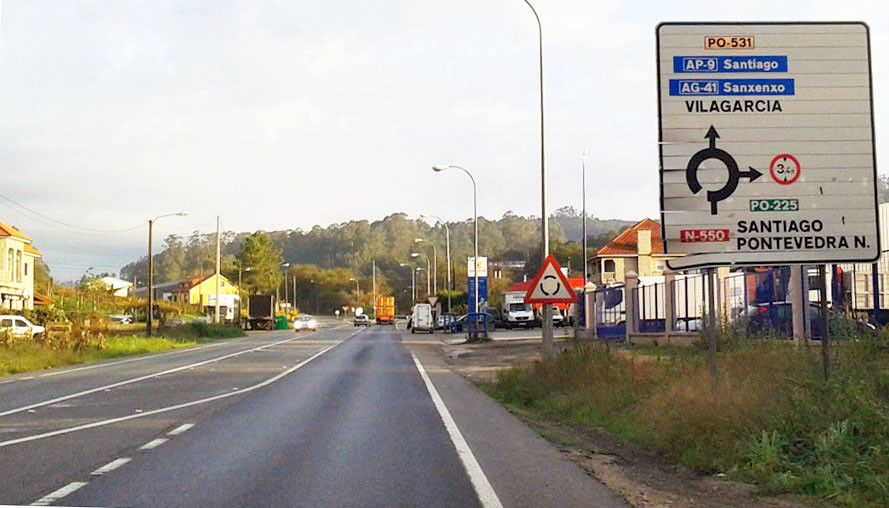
643	242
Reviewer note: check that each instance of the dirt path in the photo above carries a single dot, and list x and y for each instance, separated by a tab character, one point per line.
643	478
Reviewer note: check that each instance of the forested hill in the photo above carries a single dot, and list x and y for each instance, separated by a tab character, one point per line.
353	245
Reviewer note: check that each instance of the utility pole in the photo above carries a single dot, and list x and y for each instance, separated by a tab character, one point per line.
374	284
218	259
149	317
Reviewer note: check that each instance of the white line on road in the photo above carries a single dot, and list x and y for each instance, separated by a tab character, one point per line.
143	378
486	494
110	421
153	444
180	429
59	494
111	466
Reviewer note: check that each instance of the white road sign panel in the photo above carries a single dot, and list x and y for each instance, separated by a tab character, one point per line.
766	143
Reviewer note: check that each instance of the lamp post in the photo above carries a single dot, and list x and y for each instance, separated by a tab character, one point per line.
148	319
413	282
439	169
583	159
434	264
548	344
286	299
447	254
428	284
357	291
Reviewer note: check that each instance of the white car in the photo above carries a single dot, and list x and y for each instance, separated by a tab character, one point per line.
20	326
305	323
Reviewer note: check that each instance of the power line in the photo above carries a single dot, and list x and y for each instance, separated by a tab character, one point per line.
66	224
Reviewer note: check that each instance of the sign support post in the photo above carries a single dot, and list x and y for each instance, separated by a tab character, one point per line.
825	335
711	321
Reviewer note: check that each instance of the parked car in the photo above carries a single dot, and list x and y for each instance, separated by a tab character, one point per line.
122	319
20	326
306	322
361	320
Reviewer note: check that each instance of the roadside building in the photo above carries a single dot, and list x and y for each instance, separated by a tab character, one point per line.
117	286
17	260
639	249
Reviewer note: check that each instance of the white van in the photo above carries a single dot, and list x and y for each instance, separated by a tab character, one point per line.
421	318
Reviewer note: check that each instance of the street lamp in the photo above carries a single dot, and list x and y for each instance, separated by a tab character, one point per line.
413	282
434	264
286	299
428	285
439	169
357	290
148	320
583	159
448	254
548	344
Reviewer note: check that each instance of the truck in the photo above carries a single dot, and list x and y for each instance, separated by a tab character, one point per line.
261	312
421	318
385	310
514	311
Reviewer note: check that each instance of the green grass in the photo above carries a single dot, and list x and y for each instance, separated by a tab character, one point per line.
31	357
770	419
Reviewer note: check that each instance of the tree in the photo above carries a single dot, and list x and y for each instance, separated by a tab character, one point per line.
264	259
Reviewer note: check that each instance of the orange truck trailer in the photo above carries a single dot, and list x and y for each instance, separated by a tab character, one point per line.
385	310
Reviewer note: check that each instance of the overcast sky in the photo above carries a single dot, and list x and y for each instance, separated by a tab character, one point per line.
281	115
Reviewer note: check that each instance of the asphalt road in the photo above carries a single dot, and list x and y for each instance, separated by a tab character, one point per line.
335	418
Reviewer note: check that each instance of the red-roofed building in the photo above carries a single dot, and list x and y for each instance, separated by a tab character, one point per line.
638	249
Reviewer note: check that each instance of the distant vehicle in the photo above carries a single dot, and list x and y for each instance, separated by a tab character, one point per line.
122	319
385	310
20	326
361	320
514	311
261	315
305	322
443	320
421	318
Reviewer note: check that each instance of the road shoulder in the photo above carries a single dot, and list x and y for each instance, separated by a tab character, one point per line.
523	468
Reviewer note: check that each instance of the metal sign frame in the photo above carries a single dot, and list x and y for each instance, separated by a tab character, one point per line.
685	266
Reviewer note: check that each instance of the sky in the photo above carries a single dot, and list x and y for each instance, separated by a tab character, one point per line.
287	114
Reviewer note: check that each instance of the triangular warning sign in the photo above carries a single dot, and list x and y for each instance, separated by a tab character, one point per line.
550	285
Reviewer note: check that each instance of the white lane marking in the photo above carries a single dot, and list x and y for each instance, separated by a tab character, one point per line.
59	494
111	466
486	494
180	429
139	358
153	444
143	378
110	421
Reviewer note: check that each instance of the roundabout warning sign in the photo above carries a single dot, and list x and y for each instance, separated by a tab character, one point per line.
788	100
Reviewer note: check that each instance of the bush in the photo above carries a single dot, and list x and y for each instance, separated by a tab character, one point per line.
770	418
198	331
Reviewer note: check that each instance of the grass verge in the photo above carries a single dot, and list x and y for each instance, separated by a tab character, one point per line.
770	419
32	357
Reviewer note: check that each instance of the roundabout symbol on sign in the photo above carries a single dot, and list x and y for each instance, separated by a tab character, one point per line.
734	175
785	169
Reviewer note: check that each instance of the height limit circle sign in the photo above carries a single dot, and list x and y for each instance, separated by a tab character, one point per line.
766	140
550	285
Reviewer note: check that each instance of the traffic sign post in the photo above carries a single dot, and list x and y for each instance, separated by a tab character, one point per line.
550	285
766	144
793	101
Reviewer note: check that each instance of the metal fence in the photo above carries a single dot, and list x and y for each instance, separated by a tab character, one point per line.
689	302
611	313
649	304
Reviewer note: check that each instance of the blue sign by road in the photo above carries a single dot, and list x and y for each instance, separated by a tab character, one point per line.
703	87
713	64
482	292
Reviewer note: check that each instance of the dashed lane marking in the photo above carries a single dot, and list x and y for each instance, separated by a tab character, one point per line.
59	494
180	429
153	444
486	494
111	466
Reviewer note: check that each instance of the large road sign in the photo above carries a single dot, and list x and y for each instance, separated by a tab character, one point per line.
766	143
550	285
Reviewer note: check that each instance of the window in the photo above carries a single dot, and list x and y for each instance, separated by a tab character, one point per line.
10	265
609	265
21	324
5	323
26	268
18	266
